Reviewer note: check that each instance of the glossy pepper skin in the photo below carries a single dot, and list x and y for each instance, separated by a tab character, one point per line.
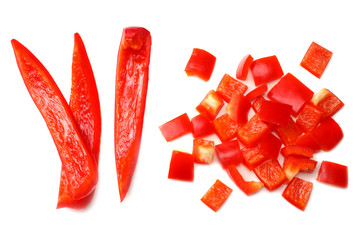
200	64
85	106
132	76
77	160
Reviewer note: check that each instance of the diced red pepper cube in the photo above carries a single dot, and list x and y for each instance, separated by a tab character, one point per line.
316	59
257	92
298	192
252	157
225	128
257	104
202	125
271	174
292	165
266	69
290	133
203	150
216	196
290	90
253	131
270	146
211	104
327	134
229	153
327	102
333	173
248	187
228	86
243	67
308	141
176	127
238	108
309	117
274	112
295	150
200	64
181	166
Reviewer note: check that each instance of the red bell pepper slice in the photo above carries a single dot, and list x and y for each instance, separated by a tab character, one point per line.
290	133
296	150
271	174
290	90
257	104
85	106
228	86
248	187
211	104
77	160
270	146
257	92
176	127
200	64
309	117
266	69
132	76
225	128
292	165
243	67
202	126
229	153
316	59
327	102
333	173
327	134
181	166
307	140
253	131
238	108
203	150
275	113
252	157
298	192
216	196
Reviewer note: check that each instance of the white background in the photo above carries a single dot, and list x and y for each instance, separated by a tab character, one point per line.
155	207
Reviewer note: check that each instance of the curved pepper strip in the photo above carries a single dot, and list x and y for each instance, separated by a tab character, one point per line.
130	98
77	161
85	106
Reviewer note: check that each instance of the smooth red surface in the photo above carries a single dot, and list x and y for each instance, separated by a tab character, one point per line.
76	158
271	174
181	166
229	153
225	128
132	77
85	106
294	164
176	127
270	146
266	69
309	117
290	90
316	59
327	134
203	150
200	64
253	131
257	92
290	133
275	113
248	187
216	196
327	102
243	67
296	150
201	125
238	108
333	173
298	192
211	104
308	141
228	86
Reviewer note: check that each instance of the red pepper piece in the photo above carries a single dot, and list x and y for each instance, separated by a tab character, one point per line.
309	117
290	133
229	153
181	166
333	173
229	86
216	196
202	125
243	67
270	146
257	92
316	59
298	192
257	104
132	76
253	131
252	157
203	150
77	161
225	128
327	102
307	140
200	64
292	165
327	134
238	108
296	150
176	127
248	187
274	112
290	90
85	106
271	174
211	104
266	69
